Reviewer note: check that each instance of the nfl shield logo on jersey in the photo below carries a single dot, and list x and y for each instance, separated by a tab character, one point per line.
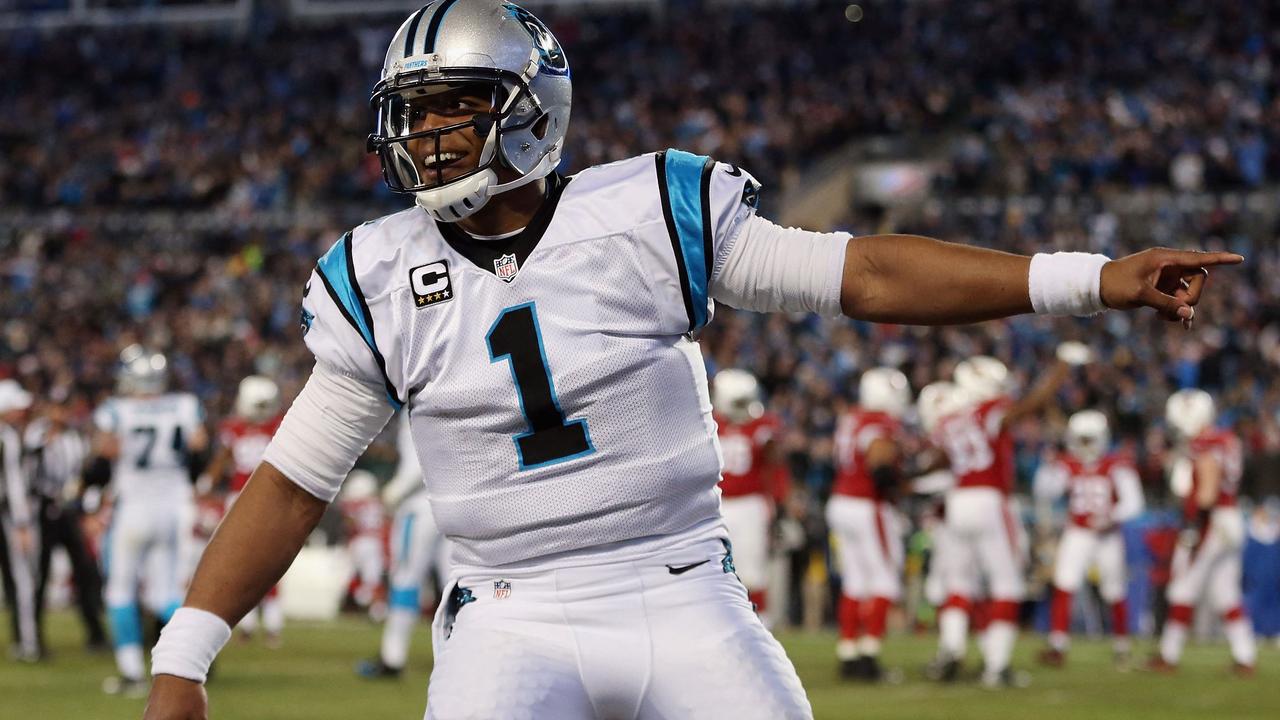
501	589
506	268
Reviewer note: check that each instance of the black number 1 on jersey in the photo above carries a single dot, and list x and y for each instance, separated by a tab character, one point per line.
516	337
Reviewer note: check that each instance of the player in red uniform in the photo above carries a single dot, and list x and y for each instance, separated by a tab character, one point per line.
864	521
981	524
1103	491
365	519
749	489
936	401
1207	559
242	438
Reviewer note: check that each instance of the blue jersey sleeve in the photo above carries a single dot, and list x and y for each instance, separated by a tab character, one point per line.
704	204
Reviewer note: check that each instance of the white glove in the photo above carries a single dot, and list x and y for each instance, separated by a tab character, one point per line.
1075	353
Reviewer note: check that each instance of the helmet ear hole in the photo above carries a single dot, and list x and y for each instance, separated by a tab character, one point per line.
539	128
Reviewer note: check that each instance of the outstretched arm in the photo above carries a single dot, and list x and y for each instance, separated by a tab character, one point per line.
250	551
1040	395
916	280
237	569
329	425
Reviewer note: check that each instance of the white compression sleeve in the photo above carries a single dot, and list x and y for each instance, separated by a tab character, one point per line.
326	430
769	268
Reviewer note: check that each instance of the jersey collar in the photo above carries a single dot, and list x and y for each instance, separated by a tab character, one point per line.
484	253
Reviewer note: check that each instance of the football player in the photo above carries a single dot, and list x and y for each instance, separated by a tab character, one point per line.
746	433
19	540
242	438
1103	491
148	435
936	401
1207	559
983	529
540	330
365	520
416	548
861	515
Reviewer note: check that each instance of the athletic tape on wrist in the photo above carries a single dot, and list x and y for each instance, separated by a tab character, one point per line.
1066	283
188	644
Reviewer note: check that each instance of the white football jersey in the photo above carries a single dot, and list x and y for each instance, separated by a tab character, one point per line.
153	434
558	399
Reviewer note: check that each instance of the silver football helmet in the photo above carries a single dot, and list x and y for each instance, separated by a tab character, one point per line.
451	44
141	372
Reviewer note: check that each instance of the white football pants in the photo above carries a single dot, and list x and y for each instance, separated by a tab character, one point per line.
627	640
985	537
747	519
147	539
1213	567
1081	548
869	547
368	564
416	546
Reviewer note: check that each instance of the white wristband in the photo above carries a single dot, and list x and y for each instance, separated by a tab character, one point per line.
188	644
1066	283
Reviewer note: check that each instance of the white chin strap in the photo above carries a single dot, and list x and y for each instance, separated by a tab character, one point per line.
461	199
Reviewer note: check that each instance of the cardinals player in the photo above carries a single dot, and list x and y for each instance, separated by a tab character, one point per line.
937	400
365	519
986	535
748	491
864	521
1207	559
1103	491
242	438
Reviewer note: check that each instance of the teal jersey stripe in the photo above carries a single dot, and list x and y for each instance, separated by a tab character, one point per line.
406	537
684	187
334	268
337	273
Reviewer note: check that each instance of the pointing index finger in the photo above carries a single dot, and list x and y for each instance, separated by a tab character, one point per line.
1196	258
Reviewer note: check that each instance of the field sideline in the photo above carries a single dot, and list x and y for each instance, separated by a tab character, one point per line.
311	678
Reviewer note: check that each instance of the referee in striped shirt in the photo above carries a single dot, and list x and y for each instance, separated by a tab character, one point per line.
56	455
17	536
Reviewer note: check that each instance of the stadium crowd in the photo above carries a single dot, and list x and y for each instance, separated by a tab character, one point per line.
248	125
265	120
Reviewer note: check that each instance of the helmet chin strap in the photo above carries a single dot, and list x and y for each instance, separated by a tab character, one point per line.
455	207
541	170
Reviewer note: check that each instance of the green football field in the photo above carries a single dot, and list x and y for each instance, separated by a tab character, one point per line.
311	678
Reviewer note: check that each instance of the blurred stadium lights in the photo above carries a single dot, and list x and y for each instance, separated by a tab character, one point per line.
52	14
329	8
892	183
